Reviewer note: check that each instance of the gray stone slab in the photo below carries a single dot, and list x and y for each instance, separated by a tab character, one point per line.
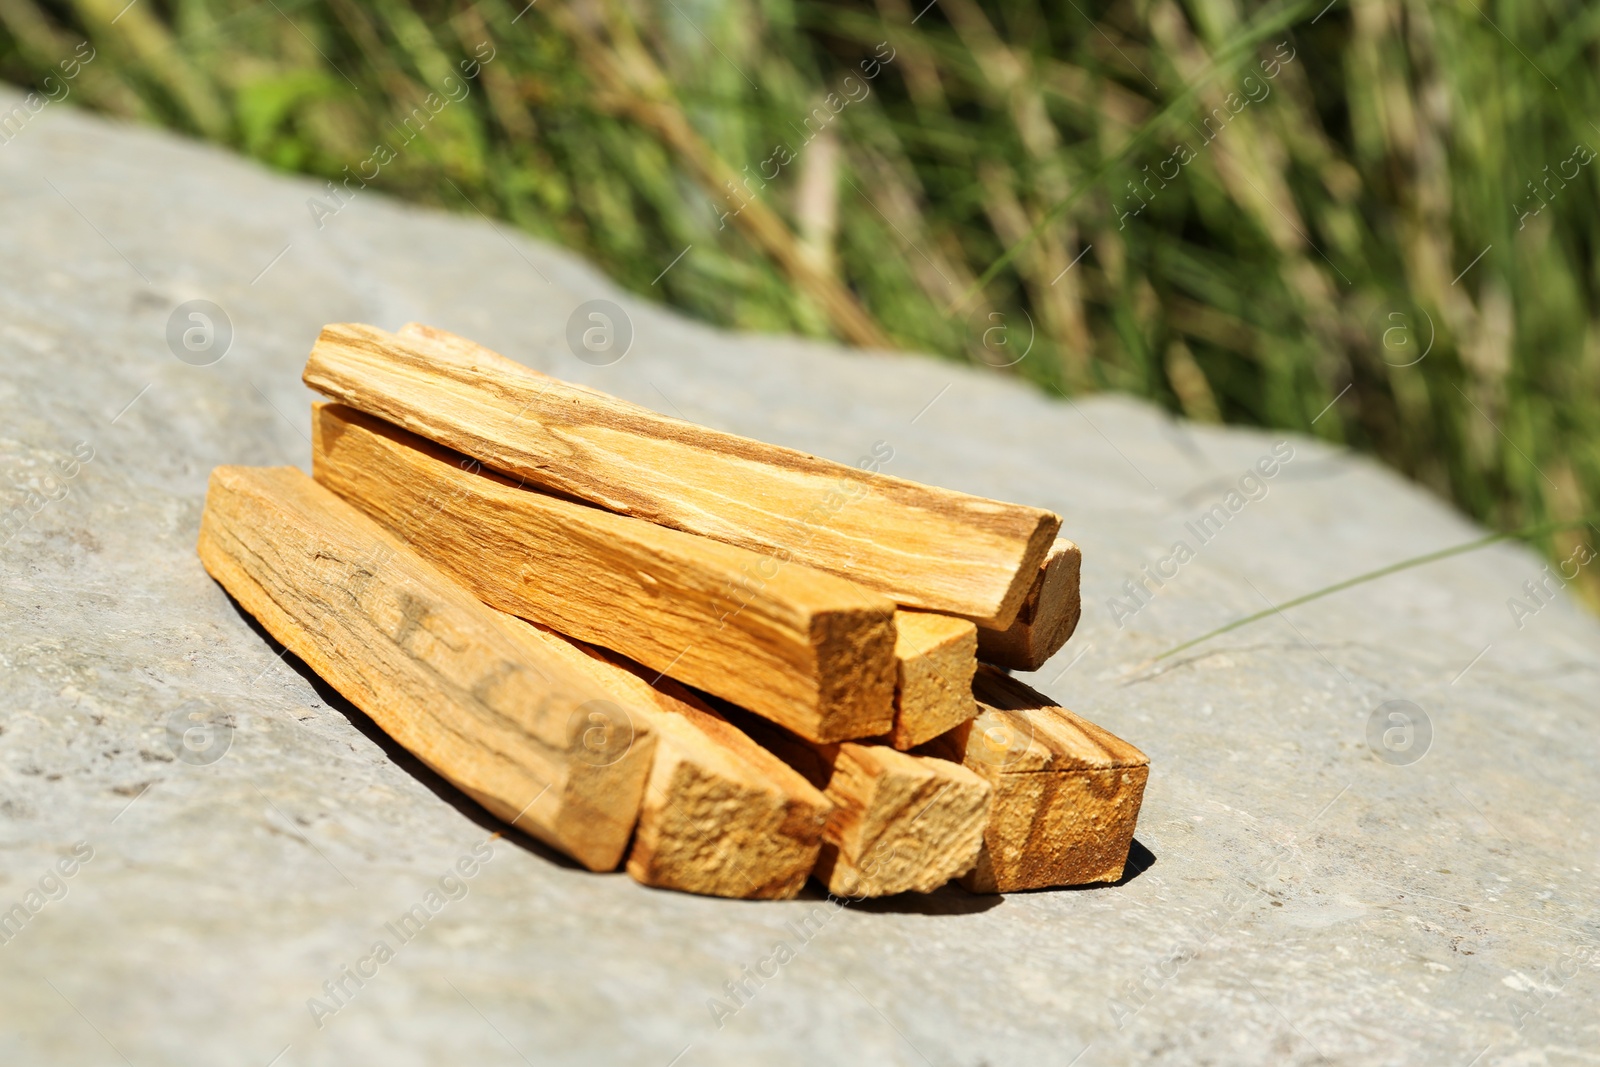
1302	899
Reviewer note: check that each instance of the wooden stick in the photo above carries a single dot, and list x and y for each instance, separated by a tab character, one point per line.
900	823
806	649
921	546
1066	792
1046	619
465	689
721	815
465	349
935	657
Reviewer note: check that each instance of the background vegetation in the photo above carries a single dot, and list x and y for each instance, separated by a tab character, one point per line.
1248	213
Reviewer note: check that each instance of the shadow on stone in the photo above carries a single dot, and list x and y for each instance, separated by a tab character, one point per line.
1140	859
953	900
400	756
946	900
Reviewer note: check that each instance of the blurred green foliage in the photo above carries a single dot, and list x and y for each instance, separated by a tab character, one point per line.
1374	222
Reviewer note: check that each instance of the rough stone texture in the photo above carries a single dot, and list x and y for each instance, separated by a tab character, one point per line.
1306	899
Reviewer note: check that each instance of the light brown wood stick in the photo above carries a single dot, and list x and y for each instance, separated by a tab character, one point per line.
900	822
721	815
935	657
1066	792
920	546
466	349
1048	615
806	649
465	689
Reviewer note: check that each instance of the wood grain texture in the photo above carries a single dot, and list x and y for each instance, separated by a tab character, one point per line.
1066	792
464	349
803	648
1048	615
935	657
721	815
461	686
918	545
900	822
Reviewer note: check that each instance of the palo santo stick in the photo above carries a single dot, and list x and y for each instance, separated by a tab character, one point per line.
900	823
1066	792
805	649
1048	615
721	815
464	348
921	546
465	689
935	657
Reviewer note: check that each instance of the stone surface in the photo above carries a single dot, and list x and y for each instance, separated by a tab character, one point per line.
1298	898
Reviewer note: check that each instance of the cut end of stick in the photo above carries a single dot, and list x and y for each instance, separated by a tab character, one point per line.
1047	617
935	658
857	696
720	816
901	823
1066	792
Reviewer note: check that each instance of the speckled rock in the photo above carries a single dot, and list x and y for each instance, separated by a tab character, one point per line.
207	846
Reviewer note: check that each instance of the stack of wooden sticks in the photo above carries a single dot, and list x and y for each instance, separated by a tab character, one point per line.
731	664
